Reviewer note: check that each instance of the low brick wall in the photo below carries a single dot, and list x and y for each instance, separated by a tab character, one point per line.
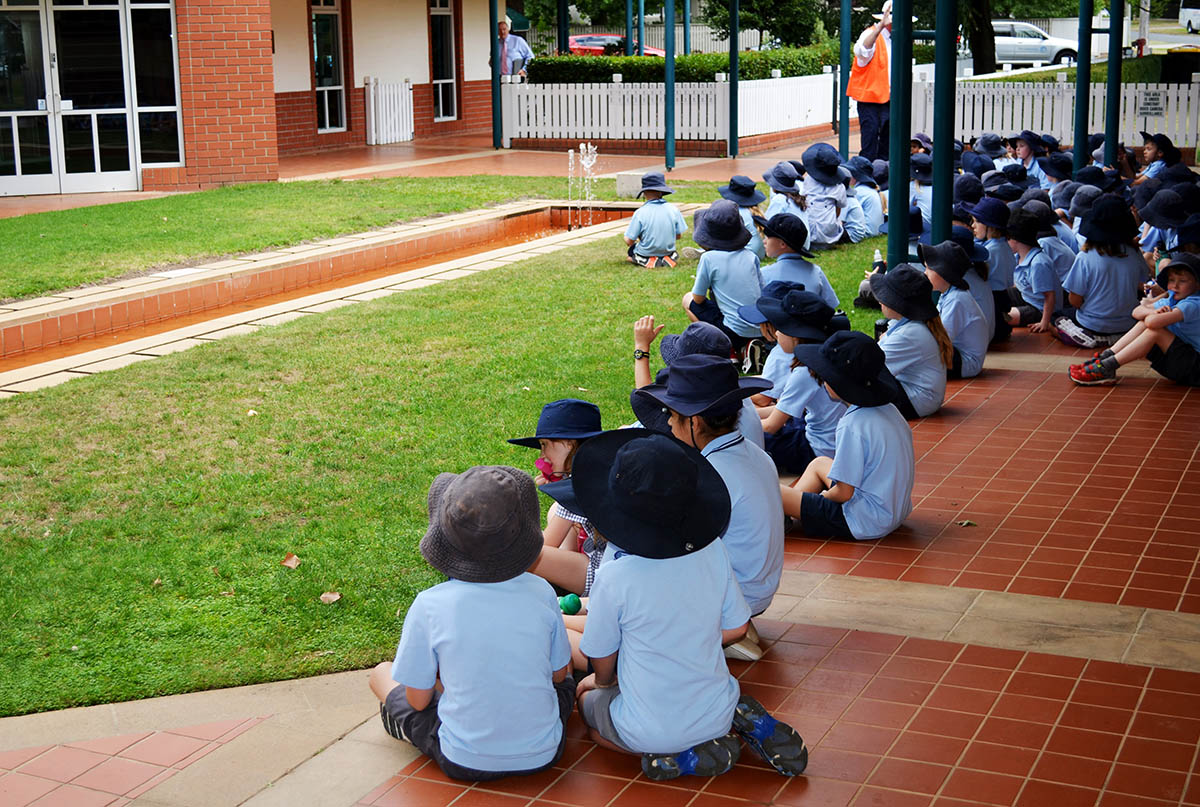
685	148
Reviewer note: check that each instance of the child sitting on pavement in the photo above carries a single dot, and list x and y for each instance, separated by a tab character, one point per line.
727	271
704	395
1167	331
784	238
865	491
1037	291
655	226
660	611
946	267
510	719
917	348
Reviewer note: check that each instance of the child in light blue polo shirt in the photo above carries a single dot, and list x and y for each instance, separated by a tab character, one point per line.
1038	290
865	491
917	348
510	719
946	266
784	238
727	272
660	610
655	226
852	216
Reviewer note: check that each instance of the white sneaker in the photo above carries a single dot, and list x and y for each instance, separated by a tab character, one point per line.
691	253
752	633
744	650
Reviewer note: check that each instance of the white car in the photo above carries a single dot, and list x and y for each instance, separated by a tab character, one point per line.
1022	43
1189	15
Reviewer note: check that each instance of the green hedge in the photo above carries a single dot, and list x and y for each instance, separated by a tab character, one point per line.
694	67
1146	70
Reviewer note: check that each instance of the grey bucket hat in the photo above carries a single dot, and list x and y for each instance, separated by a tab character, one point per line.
483	524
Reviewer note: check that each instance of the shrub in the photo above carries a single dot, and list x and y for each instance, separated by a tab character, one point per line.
1146	70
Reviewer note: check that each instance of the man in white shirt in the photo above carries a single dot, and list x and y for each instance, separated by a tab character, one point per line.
514	51
870	84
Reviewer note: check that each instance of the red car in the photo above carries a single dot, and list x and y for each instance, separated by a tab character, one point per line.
595	45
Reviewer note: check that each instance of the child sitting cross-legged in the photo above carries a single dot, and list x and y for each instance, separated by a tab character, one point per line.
481	725
1037	293
727	271
661	609
917	348
865	491
946	267
703	397
1167	331
784	237
655	226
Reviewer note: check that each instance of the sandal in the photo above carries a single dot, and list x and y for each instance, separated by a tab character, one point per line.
711	758
777	743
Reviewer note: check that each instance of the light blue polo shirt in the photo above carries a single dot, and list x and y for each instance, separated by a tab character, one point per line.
1155	168
872	206
875	455
750	424
782	203
1002	263
1164	238
1109	286
734	280
912	356
966	326
755	244
922	196
1067	235
754	536
666	617
802	398
775	369
1034	171
517	626
1034	276
792	267
1189	329
982	295
854	218
655	226
1060	255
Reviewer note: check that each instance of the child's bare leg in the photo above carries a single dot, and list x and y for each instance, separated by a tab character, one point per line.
1013	317
381	680
562	567
578	660
1141	345
814	480
687	307
1133	333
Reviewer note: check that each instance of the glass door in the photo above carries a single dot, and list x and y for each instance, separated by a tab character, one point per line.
91	98
28	140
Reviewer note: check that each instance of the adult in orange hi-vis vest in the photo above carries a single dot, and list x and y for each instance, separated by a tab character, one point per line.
870	84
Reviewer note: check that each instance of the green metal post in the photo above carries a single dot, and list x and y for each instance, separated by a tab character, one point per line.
628	27
641	43
494	21
1083	84
844	76
687	26
1112	111
945	64
901	130
734	36
564	30
669	84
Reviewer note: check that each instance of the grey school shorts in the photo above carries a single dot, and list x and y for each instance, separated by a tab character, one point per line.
594	709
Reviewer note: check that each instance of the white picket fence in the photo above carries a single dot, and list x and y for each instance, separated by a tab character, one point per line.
389	111
1005	107
704	38
637	111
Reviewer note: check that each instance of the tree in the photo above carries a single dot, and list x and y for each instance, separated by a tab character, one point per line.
792	22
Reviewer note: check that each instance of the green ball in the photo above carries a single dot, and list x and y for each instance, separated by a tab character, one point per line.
570	604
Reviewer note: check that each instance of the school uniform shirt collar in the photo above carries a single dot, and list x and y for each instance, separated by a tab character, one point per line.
1029	256
722	442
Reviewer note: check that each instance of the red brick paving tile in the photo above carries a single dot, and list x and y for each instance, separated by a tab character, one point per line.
940	577
1046	664
903	774
990	657
1018	733
975	677
713	800
1124	800
379	791
1096	718
118	776
818	704
947	723
107	745
1164	727
483	798
1149	782
879	797
988	788
209	731
1081	742
1042	686
1028	707
1092	593
163	749
961	699
772	697
1037	587
835	681
880	713
419	793
832	763
857	737
1071	770
915	669
927	748
1100	693
586	789
529	786
792	653
996	758
150	784
784	675
1142	598
815	635
71	796
573	751
17	789
880	571
10	760
755	784
1170	703
871	642
62	764
898	690
1157	754
1042	794
987	582
809	791
606	763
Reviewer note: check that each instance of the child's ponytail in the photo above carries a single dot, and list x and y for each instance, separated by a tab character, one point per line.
945	346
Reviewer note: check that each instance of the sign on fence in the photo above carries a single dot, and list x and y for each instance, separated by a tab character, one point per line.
1152	104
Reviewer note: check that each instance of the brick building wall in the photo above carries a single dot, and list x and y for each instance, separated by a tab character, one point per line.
296	122
474	111
227	101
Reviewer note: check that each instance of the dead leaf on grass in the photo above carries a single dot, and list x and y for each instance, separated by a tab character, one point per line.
157	581
290	561
330	597
251	412
227	593
966	523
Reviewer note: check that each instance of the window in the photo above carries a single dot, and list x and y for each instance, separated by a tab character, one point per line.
441	30
152	32
327	65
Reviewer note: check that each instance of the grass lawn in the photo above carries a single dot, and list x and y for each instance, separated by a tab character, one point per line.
145	512
46	252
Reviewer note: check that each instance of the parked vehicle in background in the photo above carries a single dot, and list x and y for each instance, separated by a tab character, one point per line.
602	44
1189	15
1022	43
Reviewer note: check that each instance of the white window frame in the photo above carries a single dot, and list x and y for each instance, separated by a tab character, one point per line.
332	8
137	107
444	8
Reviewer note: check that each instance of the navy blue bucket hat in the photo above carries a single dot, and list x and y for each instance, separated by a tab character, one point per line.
564	419
990	145
741	191
1085	196
1091	175
947	259
1165	211
916	224
650	494
698	337
1032	139
1016	174
1108	222
799	314
1189	233
967	188
789	229
1058	165
977	163
1007	192
655	181
782	178
991	212
720	227
1183	260
905	290
1061	193
880	169
854	366
863	171
922	167
821	160
776	289
703	385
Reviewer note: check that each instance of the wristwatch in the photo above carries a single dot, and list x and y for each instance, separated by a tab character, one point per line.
640	354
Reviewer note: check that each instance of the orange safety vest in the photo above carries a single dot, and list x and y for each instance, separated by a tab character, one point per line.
872	82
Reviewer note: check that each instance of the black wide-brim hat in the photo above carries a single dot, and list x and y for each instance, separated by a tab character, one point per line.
905	290
700	384
1189	233
565	419
1183	260
776	289
649	412
990	145
1165	211
977	163
788	228
741	191
799	314
650	494
948	260
1032	139
720	227
1108	222
916	223
854	365
921	166
484	524
821	160
1057	165
880	169
1170	151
